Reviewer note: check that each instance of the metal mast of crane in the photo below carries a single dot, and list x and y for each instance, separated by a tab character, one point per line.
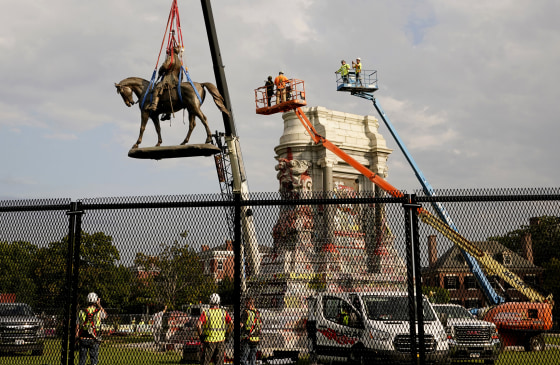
231	173
229	164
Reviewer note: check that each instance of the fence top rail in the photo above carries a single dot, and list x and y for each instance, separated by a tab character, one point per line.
35	205
488	198
276	199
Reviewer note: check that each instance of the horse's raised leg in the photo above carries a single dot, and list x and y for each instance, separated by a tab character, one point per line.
192	124
155	119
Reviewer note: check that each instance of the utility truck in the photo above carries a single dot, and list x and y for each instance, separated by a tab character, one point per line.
362	327
469	338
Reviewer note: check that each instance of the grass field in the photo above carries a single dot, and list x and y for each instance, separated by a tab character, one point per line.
118	351
130	351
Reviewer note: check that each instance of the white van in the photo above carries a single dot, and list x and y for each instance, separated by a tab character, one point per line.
361	327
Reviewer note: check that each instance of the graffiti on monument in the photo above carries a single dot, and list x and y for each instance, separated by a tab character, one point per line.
347	217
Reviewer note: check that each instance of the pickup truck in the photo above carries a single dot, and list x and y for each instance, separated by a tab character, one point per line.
469	338
365	327
20	329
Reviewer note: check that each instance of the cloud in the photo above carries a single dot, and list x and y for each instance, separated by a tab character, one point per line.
471	87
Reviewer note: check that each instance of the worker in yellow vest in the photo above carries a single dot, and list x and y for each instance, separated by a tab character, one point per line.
358	70
213	326
88	329
343	71
251	329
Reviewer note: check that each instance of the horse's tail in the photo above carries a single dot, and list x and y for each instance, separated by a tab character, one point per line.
218	98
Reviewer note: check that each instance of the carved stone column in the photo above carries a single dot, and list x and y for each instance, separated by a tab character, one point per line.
290	266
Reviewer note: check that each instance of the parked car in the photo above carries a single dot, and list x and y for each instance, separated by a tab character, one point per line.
20	329
469	338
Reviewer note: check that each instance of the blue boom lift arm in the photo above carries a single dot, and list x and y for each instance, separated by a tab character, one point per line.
485	285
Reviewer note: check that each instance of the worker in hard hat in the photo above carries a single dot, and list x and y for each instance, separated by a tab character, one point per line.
358	70
251	324
213	326
280	82
88	329
343	71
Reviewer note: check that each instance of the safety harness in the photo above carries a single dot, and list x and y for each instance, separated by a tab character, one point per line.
253	319
89	321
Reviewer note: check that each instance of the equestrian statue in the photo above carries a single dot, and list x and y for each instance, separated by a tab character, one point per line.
167	97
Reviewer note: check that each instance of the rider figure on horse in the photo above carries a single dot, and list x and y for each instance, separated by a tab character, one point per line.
170	70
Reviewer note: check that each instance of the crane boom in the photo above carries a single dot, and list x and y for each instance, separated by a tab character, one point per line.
239	183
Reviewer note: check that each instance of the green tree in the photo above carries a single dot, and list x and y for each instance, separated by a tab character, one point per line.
436	294
50	276
551	281
175	276
545	239
17	262
99	271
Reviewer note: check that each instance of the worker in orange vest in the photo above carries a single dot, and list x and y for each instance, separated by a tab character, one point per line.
280	82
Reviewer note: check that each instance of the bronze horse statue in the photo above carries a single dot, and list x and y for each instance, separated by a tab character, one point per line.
169	103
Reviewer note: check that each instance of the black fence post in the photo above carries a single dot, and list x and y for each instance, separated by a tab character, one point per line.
68	286
413	276
410	277
237	280
418	279
77	212
72	276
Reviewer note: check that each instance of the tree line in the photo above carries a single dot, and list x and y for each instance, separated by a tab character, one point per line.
545	238
172	277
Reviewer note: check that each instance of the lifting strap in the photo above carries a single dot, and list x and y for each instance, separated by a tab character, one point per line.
183	69
173	22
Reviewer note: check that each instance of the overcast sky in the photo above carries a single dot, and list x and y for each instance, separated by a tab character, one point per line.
472	87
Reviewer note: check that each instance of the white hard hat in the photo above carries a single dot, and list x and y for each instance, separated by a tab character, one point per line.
215	299
92	298
359	59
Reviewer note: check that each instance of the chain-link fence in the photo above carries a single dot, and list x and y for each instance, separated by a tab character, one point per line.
335	278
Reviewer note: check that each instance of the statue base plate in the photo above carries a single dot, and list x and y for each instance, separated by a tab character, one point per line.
162	152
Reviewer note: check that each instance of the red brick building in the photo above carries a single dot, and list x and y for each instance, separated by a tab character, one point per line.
219	261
